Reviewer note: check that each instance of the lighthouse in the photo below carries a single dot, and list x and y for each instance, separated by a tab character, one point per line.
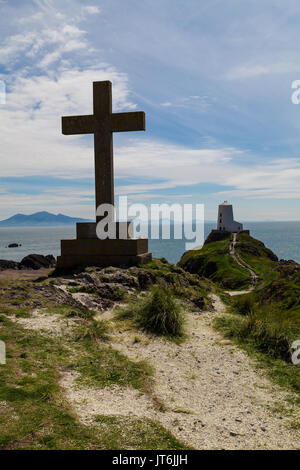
226	221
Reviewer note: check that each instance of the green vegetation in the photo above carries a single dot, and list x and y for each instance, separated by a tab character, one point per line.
263	347
272	312
121	433
214	261
261	259
108	367
266	321
182	284
158	313
33	411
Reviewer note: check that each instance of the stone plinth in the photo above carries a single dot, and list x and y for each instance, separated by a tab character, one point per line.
88	230
95	252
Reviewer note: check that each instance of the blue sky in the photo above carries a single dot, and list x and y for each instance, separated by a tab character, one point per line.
214	78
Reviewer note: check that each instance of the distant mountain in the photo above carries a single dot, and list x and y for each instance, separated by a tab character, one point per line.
41	219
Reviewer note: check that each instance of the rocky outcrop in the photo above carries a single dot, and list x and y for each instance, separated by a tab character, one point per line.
35	261
14	245
217	235
8	264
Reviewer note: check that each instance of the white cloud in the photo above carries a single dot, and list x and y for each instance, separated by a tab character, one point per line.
251	70
195	101
92	9
32	142
247	71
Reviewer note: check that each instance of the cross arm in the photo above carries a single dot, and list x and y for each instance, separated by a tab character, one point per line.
72	125
124	122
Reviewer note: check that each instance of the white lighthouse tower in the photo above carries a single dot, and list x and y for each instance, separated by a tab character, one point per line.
225	219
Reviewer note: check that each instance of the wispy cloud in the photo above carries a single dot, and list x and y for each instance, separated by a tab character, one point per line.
92	9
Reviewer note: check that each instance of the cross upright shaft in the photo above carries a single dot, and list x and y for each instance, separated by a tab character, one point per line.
102	124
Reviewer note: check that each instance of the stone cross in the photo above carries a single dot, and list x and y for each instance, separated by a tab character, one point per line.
102	124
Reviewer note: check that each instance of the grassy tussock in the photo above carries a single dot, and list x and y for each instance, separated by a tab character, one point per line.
159	314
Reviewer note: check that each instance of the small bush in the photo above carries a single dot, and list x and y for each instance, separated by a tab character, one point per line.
95	331
158	314
244	305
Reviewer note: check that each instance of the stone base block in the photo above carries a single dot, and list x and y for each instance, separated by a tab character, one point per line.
124	230
95	252
134	246
73	261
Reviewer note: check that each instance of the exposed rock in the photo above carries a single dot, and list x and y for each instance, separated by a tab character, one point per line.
146	279
8	264
120	277
111	292
51	260
106	290
199	302
14	245
35	261
216	236
286	262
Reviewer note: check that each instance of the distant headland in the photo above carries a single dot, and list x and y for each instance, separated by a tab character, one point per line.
40	219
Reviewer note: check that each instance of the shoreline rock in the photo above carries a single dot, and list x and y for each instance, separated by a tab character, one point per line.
33	261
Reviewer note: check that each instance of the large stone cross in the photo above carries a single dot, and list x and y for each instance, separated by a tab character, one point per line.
102	124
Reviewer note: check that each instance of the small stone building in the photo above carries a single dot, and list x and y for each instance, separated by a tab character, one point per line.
225	219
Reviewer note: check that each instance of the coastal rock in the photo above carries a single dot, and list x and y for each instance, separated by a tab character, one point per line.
8	264
14	245
35	261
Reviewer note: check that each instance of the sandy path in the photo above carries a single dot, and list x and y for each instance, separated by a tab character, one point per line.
214	396
23	274
244	265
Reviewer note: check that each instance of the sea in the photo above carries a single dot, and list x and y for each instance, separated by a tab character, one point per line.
283	238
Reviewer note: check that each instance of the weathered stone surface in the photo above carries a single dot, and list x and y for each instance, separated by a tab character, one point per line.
8	264
146	279
73	261
108	247
103	140
35	261
122	278
87	230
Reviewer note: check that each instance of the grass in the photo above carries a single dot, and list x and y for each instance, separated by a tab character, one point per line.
109	367
267	343
261	259
214	261
159	314
120	433
184	285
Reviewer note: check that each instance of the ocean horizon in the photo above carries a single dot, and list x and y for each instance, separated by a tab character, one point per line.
283	238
